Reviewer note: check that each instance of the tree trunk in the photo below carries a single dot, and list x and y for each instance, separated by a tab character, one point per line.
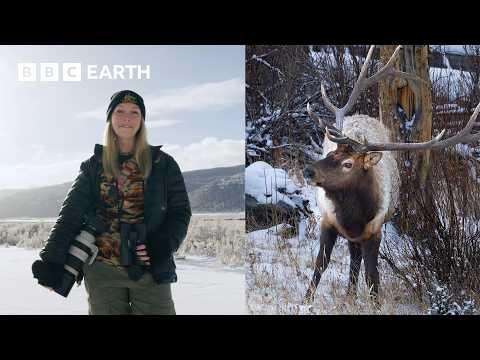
387	93
411	59
424	125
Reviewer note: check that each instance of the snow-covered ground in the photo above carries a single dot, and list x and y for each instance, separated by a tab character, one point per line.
280	266
204	287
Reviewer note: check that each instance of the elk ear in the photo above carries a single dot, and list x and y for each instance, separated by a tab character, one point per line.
371	159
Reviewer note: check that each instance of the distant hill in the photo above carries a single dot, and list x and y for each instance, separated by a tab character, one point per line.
210	190
216	190
7	192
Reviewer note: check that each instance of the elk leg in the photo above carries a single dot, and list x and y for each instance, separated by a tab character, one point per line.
370	250
328	238
355	262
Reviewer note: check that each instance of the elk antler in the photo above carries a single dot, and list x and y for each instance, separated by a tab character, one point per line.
323	124
363	82
466	135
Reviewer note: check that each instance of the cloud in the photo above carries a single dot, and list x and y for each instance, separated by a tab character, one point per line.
93	114
161	123
208	153
37	173
212	96
40	170
208	96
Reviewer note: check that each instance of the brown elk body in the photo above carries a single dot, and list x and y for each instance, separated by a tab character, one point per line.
357	194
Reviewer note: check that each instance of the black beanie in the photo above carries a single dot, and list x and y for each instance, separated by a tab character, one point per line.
125	96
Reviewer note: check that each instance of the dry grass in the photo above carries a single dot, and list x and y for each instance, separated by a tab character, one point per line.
221	236
279	271
217	235
30	235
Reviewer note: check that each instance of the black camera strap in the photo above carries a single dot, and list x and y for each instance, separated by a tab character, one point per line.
119	200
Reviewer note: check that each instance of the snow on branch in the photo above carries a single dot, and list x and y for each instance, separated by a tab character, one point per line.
260	60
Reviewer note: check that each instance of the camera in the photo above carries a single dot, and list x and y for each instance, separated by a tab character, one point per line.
81	250
131	236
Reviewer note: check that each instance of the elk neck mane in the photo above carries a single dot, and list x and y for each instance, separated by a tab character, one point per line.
357	205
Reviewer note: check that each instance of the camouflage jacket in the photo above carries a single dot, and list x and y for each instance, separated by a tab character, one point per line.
166	212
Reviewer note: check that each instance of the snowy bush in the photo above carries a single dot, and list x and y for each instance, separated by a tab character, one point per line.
268	185
442	231
275	105
25	234
441	304
221	236
280	80
272	197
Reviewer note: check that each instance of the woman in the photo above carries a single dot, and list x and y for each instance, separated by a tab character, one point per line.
130	185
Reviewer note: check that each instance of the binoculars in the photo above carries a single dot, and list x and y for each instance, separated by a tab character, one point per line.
131	236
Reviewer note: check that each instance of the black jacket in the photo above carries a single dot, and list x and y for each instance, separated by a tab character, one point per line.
166	209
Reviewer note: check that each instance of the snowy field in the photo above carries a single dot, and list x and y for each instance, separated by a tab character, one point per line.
280	265
279	269
204	287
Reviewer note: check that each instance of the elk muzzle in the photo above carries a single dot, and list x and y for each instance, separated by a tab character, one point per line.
311	176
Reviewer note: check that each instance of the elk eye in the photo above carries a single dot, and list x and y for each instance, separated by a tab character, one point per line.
347	165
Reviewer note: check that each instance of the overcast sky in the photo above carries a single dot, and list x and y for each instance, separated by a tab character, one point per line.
194	103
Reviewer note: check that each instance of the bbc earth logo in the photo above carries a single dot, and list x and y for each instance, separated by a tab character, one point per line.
70	72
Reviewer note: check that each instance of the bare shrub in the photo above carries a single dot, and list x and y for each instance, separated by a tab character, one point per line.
24	234
280	80
220	236
442	242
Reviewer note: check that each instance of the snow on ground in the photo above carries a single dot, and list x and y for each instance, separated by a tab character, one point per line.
262	181
204	287
279	268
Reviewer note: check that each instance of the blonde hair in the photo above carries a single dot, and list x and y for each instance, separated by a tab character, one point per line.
111	151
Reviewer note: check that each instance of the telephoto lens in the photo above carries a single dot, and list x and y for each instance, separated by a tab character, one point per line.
83	249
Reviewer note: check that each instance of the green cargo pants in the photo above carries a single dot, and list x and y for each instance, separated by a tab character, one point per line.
111	292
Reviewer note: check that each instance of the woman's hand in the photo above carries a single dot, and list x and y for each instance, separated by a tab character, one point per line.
142	254
48	274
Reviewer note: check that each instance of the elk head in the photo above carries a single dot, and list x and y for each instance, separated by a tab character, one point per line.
342	168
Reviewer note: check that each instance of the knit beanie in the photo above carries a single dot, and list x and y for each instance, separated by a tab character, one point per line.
125	96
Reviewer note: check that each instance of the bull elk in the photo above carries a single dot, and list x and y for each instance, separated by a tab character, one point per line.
358	180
